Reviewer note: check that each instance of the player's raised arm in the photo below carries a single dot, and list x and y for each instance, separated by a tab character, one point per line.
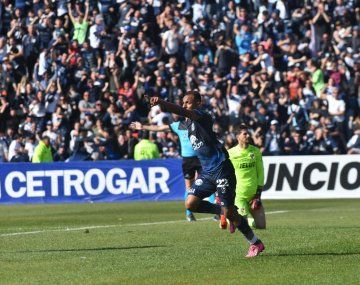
139	127
190	103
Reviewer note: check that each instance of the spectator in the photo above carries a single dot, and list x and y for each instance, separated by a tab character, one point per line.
74	62
30	146
3	148
353	144
50	133
43	152
336	107
273	140
145	148
20	154
317	76
80	23
15	146
322	143
171	41
32	51
295	145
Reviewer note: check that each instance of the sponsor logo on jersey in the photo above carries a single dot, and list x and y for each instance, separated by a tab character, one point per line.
196	144
246	165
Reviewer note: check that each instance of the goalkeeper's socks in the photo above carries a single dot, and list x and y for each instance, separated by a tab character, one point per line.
248	233
207	207
252	223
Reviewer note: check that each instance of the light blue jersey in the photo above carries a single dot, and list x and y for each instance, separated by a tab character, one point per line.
186	148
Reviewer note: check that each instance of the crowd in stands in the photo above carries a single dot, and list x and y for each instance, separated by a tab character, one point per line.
79	72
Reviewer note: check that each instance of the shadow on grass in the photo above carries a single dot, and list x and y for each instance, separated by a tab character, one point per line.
315	254
89	249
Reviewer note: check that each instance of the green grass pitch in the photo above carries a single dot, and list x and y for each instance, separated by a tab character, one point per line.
307	242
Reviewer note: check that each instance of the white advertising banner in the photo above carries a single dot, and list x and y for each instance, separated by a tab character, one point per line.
312	177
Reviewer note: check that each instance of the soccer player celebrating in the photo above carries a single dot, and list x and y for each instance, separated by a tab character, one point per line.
190	164
249	170
217	174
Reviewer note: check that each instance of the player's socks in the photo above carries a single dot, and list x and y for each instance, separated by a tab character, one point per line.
188	212
212	198
248	233
207	207
223	221
191	217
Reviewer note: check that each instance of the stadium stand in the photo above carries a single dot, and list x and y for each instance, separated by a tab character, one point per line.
79	72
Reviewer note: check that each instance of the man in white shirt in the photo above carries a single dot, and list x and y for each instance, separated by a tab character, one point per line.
50	132
95	31
234	103
336	106
280	5
3	148
15	146
85	105
198	10
171	40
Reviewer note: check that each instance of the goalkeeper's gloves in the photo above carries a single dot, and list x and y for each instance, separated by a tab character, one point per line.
255	202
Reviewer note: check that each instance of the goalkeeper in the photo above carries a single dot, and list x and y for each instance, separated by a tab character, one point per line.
249	170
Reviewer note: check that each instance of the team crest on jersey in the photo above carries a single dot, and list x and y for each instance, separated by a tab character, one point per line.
192	127
191	190
242	211
198	182
252	155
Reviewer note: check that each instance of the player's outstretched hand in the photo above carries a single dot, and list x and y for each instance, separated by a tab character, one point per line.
136	126
154	101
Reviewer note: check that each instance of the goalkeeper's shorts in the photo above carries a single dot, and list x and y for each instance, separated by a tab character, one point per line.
243	206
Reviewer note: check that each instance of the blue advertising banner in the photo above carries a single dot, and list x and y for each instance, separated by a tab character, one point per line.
105	181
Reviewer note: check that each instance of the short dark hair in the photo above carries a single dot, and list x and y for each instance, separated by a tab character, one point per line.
239	128
194	93
144	134
44	138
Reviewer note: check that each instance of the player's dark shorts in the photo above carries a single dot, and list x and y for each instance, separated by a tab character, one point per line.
190	165
222	180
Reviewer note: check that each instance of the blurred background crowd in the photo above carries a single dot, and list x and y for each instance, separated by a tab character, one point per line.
79	72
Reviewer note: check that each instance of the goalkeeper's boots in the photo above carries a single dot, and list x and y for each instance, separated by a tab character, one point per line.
223	222
255	249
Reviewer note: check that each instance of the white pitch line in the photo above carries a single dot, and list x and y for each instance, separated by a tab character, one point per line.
112	226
